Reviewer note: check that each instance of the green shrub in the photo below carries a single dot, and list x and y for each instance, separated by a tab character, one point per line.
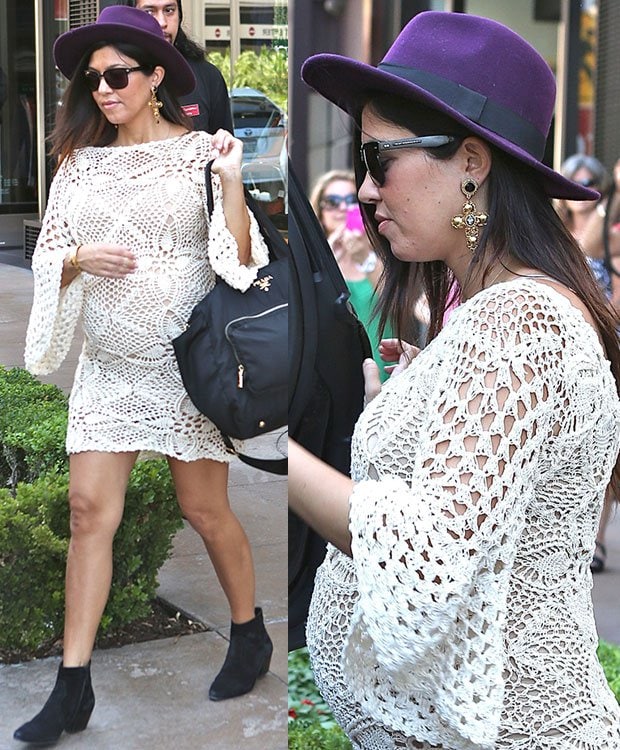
266	71
142	543
32	563
311	724
609	656
303	735
34	533
33	425
34	521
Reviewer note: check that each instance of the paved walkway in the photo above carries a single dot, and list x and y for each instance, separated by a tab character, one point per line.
153	696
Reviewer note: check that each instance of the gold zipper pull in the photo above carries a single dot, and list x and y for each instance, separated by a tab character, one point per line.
240	371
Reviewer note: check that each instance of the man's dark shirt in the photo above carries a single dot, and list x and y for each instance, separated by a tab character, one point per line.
208	105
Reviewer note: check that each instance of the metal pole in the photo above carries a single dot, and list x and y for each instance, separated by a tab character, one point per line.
39	56
235	33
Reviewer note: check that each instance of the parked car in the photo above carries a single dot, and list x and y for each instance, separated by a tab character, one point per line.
262	126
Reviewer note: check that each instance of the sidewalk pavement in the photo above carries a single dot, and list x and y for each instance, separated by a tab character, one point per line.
153	696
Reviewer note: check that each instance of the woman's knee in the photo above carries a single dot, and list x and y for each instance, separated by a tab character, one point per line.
209	522
91	514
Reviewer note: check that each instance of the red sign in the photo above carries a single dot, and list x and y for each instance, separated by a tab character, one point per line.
60	10
251	31
218	33
191	110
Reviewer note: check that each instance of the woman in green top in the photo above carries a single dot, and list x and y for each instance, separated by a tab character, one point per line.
334	199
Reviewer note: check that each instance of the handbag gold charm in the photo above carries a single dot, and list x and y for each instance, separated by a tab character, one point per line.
264	284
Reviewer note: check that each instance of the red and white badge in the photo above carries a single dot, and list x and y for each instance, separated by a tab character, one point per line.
191	110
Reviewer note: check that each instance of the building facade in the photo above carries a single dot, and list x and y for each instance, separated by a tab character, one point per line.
578	38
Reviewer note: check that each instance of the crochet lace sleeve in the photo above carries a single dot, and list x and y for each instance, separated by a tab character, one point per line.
433	552
222	246
55	310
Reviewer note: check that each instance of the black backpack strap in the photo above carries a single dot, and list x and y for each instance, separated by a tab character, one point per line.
272	465
209	187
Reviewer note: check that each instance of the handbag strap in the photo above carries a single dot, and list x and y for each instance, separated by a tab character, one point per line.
209	187
272	465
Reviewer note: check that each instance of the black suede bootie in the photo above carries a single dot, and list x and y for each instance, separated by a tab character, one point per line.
248	658
68	708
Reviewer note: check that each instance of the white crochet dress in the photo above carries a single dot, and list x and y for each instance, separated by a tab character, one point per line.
464	619
127	394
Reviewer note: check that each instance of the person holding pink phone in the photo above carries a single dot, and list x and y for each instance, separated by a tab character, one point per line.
334	199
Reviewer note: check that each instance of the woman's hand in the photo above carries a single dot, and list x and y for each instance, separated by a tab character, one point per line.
228	153
349	245
390	350
110	261
394	349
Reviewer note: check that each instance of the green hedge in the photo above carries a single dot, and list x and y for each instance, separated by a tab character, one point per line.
312	727
33	424
34	521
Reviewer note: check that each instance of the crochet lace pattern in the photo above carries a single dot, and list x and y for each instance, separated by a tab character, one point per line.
128	394
464	618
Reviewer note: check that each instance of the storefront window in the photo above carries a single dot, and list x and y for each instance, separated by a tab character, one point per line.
18	133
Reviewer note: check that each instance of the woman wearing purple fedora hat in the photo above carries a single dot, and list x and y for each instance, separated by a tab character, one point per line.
126	246
453	608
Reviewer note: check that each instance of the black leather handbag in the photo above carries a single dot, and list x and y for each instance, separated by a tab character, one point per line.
233	354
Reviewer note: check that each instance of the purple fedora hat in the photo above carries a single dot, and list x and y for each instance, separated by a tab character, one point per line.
118	23
475	70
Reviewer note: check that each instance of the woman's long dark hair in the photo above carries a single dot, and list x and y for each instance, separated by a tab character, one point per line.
80	122
523	226
190	49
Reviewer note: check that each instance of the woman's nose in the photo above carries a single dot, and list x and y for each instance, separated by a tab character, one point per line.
368	192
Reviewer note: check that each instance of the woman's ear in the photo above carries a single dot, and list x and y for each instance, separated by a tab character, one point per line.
158	75
477	158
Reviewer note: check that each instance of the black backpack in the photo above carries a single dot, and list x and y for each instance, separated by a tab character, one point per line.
327	345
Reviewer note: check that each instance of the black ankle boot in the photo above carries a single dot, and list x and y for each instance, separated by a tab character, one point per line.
248	658
68	708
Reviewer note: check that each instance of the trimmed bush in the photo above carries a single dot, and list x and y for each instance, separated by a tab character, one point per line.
34	521
32	566
609	656
311	725
33	425
303	735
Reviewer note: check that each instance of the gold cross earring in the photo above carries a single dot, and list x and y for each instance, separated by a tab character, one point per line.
469	220
155	104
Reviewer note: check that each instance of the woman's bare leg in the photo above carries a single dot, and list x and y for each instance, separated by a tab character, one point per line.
97	485
202	492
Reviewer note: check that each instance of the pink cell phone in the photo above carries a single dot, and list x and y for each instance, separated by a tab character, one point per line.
354	222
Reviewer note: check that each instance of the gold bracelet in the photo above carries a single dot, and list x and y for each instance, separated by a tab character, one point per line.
73	259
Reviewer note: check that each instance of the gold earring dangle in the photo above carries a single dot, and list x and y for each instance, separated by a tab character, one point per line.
155	104
468	219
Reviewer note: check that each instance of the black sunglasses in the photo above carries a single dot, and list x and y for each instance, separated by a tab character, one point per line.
116	78
333	201
370	152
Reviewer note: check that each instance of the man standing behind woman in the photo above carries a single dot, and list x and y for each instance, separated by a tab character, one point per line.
207	105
